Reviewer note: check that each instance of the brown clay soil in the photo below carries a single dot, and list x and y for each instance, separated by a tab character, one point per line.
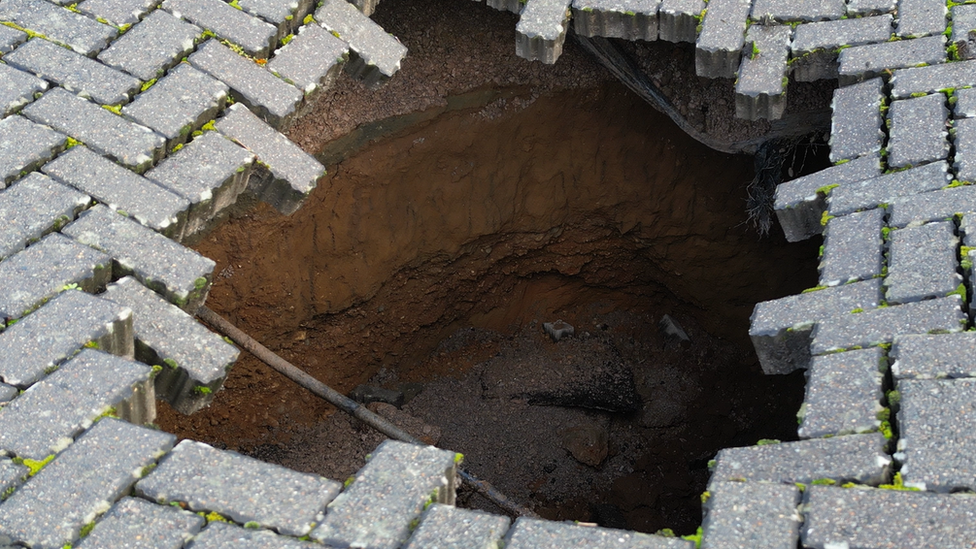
427	260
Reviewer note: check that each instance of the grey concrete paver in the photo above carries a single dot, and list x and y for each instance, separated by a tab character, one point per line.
853	248
937	205
922	263
81	33
152	46
252	34
17	88
311	60
24	146
843	394
627	19
856	123
934	356
117	12
760	90
678	20
905	82
861	62
815	45
751	514
529	533
33	207
449	527
886	188
377	55
220	535
921	17
718	49
135	523
919	131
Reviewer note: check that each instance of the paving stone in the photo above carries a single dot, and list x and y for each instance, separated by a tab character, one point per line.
287	15
10	38
82	33
171	39
271	97
312	59
751	514
543	534
936	441
856	122
45	419
760	91
251	33
800	204
719	47
376	54
859	8
781	329
932	78
797	10
33	207
191	355
134	146
514	6
50	510
678	20
179	274
137	524
921	17
965	143
121	190
853	458
52	334
922	263
934	356
967	230
387	495
292	173
74	72
965	106
843	394
452	528
31	277
17	88
220	535
210	172
117	12
885	189
886	518
918	131
240	488
853	248
12	475
24	146
7	393
862	62
815	44
883	325
178	104
963	25
937	205
630	20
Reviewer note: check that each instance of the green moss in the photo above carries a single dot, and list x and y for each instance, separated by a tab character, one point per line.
844	161
117	109
696	537
71	142
767	442
202	390
825	190
704	496
898	484
814	289
213	516
92	344
148	84
349	482
285	40
959	291
894	398
308	19
857	310
824	482
34	465
825	218
252	525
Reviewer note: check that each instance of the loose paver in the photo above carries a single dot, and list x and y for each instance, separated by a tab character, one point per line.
853	248
33	207
252	34
25	145
138	524
862	62
918	132
719	46
311	60
152	46
855	127
760	91
922	263
815	44
843	394
871	7
220	535
751	514
886	188
377	54
936	205
447	526
17	88
630	20
81	33
797	10
678	19
934	356
530	533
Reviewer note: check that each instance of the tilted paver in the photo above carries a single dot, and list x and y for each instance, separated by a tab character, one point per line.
81	33
171	39
843	394
815	44
195	360
965	143
32	276
886	188
33	207
936	205
179	274
934	356
240	488
529	533
678	19
760	90
25	145
377	54
452	528
921	17
55	332
918	131
855	126
627	19
861	62
719	46
905	82
17	88
252	34
220	535
853	248
311	60
751	514
387	495
50	510
138	524
922	263
117	12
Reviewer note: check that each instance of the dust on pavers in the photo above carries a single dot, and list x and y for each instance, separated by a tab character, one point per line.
210	172
171	39
860	8
922	263
931	206
529	533
934	356
24	146
815	44
886	188
46	418
921	17
853	248
751	514
800	204
781	329
719	46
10	38
74	72
47	337
874	327
851	458
33	207
377	54
105	132
285	15
255	36
121	190
873	518
843	394
17	88
797	10
311	60
963	24
291	173
905	82
918	132
251	84
627	19
856	123
388	495
760	90
220	535
81	33
678	20
179	274
195	360
452	528
861	62
964	141
240	488
50	510
138	524
31	277
7	393
12	475
117	12
178	104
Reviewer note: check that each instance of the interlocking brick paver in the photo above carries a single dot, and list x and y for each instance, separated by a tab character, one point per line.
377	54
884	189
760	90
311	60
25	145
815	45
853	248
171	39
138	524
81	33
860	62
617	19
529	533
921	17
34	206
117	12
918	132
922	263
220	535
934	356
719	46
933	78
751	514
452	528
678	19
17	88
937	205
843	394
855	127
251	33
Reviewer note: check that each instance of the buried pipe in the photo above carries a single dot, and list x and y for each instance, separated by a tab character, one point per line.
348	405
